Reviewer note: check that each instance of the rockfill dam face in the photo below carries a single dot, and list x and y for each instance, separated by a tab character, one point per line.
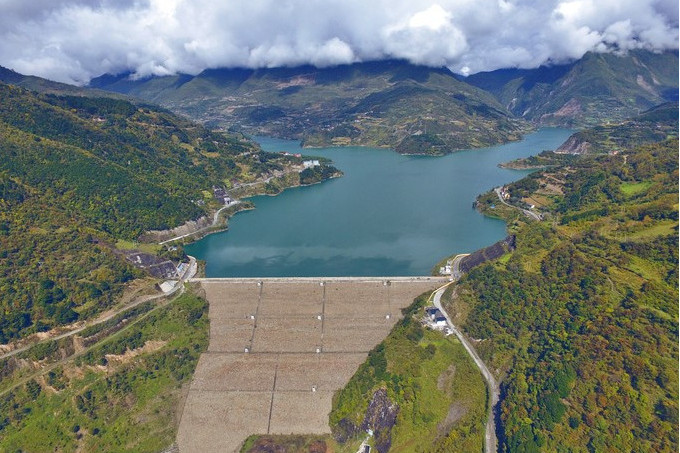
280	348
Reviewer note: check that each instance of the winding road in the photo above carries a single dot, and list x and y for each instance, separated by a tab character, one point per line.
526	212
490	440
216	218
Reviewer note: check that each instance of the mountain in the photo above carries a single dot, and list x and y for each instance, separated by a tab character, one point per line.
413	109
41	85
80	174
595	89
582	319
652	126
93	355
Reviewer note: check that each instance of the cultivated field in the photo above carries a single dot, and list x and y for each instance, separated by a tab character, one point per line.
280	348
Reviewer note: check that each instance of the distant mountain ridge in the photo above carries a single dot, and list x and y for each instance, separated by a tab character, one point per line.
654	125
595	89
413	109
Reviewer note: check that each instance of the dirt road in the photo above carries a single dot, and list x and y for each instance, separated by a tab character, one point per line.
188	274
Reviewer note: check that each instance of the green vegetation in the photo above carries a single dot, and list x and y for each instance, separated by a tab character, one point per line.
582	318
440	395
291	443
654	125
80	174
122	395
413	109
632	189
598	88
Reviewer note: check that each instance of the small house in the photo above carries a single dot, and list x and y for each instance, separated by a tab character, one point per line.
311	163
436	316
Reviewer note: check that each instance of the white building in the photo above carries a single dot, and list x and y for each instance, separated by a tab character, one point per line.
310	163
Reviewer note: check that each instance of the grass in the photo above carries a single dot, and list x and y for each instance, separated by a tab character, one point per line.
504	259
294	443
448	381
635	188
659	228
123	244
440	394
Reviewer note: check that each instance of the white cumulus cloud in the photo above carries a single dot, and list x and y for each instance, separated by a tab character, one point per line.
75	40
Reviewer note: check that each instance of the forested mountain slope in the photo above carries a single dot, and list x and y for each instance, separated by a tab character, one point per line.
656	124
581	321
78	173
595	89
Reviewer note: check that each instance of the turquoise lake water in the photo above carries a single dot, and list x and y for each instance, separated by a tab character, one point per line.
390	215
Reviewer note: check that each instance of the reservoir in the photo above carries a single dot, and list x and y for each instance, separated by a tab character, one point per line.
389	215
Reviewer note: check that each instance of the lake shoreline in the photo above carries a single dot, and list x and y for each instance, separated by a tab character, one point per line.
390	214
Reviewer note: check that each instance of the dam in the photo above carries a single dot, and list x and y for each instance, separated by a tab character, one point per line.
280	348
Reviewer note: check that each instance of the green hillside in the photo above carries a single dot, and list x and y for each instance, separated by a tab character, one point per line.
79	174
426	381
411	108
120	394
656	124
595	89
579	323
581	320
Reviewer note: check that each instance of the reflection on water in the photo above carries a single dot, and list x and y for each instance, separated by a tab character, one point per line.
389	215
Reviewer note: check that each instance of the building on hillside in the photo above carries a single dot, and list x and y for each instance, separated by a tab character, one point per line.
310	163
221	194
436	317
439	319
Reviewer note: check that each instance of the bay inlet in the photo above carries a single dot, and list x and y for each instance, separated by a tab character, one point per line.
390	215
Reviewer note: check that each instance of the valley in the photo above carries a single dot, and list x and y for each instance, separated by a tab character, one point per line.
577	321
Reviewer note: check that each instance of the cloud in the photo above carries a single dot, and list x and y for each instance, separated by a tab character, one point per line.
75	40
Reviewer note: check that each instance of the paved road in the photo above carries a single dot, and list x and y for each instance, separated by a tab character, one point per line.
456	273
425	278
490	442
526	212
216	218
